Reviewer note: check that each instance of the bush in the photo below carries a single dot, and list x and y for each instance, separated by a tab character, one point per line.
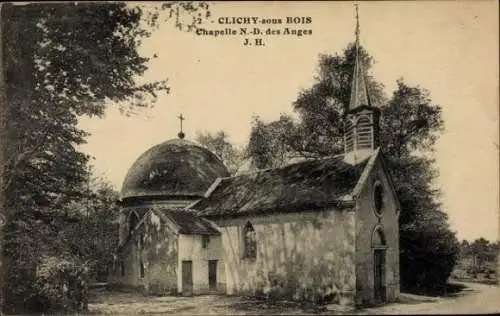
61	285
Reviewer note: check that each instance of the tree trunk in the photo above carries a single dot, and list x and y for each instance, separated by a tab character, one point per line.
498	267
3	148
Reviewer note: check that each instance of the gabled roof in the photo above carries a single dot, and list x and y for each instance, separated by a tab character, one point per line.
182	221
188	223
305	185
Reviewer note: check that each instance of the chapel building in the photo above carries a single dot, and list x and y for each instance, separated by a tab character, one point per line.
322	227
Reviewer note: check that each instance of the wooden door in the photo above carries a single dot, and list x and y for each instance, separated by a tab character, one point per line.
187	278
212	275
379	279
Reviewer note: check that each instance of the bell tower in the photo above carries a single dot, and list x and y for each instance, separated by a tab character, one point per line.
361	120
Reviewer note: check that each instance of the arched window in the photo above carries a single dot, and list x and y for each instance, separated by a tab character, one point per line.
364	132
378	238
250	242
205	240
133	220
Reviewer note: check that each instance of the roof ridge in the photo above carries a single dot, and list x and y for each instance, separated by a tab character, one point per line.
282	167
212	187
364	175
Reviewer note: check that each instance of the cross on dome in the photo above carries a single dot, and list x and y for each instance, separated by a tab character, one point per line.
181	133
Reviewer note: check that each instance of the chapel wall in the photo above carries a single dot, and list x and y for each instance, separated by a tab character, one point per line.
298	254
158	252
190	249
366	222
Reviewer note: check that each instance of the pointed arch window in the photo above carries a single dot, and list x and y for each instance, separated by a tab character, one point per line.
378	238
133	220
250	242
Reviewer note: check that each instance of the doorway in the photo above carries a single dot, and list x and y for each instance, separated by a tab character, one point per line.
379	273
212	275
187	278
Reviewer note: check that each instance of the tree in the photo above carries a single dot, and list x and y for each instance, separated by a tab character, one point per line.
59	62
219	144
409	123
88	227
429	250
270	143
319	131
483	253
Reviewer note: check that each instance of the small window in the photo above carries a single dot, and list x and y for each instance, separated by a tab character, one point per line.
250	242
122	269
378	197
205	240
142	269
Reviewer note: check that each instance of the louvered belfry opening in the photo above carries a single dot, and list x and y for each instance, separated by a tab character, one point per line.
364	133
361	135
349	135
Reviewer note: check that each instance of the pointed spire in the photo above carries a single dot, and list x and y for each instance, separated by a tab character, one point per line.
359	90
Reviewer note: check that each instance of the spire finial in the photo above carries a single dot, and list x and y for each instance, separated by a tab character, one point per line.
357	25
359	91
181	133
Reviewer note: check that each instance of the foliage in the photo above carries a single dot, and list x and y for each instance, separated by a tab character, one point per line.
88	228
269	143
478	256
219	144
84	230
410	123
319	131
429	249
483	249
61	285
63	61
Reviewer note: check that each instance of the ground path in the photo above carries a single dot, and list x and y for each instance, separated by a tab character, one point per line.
475	298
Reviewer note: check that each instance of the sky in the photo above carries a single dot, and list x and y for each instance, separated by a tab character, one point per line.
217	83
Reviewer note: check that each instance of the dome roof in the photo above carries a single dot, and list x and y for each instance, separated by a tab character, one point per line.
176	167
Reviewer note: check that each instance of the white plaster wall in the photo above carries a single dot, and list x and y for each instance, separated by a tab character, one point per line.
190	248
159	254
295	251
